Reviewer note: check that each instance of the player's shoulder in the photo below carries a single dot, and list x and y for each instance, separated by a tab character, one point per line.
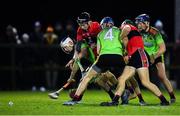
95	24
116	28
79	30
153	30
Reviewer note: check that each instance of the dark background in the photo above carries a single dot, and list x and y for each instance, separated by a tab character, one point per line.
23	13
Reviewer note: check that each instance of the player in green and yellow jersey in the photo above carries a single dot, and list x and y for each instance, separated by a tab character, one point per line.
155	47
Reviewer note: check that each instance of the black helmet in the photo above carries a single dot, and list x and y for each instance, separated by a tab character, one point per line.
83	17
142	18
127	21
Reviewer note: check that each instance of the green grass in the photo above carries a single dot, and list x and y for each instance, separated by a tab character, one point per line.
33	103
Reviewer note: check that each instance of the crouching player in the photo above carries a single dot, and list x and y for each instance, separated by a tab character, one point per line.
85	51
84	60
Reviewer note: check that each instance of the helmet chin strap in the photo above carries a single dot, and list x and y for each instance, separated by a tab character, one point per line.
147	26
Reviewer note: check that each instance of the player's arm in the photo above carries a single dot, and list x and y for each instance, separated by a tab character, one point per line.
74	70
125	42
125	54
98	46
125	31
161	45
96	29
70	63
79	37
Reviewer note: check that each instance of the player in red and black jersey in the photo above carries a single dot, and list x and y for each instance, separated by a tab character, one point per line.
138	62
85	41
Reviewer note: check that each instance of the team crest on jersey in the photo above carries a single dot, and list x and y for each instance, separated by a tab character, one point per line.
148	44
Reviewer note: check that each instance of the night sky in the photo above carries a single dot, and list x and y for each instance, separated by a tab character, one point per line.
23	14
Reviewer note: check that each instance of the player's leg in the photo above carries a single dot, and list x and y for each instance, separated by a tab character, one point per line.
106	81
111	78
163	78
137	90
102	82
74	70
131	90
127	74
143	74
83	84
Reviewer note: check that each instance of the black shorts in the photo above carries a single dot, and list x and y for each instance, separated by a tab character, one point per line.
159	59
139	59
112	62
85	63
79	45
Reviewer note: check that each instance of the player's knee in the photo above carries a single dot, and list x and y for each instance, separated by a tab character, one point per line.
121	80
99	81
145	83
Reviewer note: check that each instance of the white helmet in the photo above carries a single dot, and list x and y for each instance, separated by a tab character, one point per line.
67	45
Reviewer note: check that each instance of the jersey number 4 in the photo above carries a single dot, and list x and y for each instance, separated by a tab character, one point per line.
109	34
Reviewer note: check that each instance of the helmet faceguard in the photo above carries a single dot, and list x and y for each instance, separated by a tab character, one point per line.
142	18
142	21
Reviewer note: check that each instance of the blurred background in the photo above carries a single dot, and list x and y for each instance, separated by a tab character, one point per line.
29	60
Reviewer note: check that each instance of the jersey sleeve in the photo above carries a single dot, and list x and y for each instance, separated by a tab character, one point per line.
98	41
159	38
98	44
96	28
79	36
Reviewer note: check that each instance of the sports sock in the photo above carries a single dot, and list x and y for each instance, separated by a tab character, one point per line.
116	98
162	98
140	97
111	94
77	98
172	96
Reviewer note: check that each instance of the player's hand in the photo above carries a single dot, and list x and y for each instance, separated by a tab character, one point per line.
152	59
126	59
93	45
71	80
70	64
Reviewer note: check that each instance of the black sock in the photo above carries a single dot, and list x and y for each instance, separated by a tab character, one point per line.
162	98
172	96
116	98
111	94
140	97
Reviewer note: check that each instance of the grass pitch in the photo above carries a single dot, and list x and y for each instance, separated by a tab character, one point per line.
38	103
